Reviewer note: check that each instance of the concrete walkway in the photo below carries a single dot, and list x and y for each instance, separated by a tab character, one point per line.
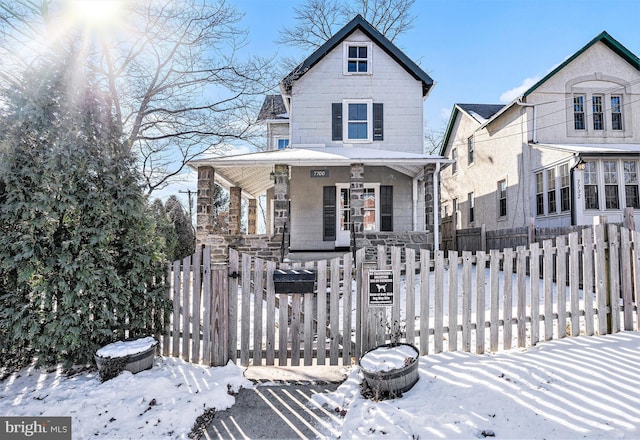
280	406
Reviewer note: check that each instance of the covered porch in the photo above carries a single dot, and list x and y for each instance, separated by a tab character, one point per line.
322	199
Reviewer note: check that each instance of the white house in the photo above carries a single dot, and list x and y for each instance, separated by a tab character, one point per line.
564	152
344	165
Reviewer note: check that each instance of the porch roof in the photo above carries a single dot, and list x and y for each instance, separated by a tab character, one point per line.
252	171
595	149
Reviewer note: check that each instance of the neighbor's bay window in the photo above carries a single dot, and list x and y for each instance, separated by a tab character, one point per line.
539	194
565	184
611	198
590	177
632	196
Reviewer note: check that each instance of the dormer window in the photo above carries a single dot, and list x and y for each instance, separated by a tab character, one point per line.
357	58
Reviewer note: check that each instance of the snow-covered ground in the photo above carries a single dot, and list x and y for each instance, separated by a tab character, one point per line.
584	387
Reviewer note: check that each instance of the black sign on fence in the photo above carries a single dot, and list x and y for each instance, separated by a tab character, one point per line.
380	288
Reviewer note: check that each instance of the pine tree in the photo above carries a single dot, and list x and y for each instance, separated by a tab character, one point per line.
79	264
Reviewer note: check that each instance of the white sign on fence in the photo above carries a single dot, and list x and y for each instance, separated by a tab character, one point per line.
380	288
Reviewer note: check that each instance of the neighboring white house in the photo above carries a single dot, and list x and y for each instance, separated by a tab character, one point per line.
564	152
344	164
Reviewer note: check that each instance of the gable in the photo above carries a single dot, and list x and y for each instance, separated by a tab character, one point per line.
604	38
359	23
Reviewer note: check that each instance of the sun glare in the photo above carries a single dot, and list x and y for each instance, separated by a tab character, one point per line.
98	14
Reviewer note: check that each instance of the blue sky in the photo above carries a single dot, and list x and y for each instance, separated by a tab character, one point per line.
476	50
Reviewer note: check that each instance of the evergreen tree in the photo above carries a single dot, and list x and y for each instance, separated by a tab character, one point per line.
79	263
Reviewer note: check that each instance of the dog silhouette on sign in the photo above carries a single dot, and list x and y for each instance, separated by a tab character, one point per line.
381	288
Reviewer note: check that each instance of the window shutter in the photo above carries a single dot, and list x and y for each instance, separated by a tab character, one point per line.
329	213
386	208
378	122
336	121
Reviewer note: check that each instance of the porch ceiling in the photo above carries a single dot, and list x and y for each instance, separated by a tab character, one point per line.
252	172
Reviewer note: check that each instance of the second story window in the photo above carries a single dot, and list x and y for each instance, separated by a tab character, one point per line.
578	112
454	157
598	115
616	113
470	150
357	121
357	58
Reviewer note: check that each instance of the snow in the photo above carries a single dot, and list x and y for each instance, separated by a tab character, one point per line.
383	359
583	387
126	348
160	403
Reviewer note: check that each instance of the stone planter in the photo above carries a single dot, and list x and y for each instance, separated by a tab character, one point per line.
134	356
389	370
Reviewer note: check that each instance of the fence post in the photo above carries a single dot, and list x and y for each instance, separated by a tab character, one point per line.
483	237
628	221
532	231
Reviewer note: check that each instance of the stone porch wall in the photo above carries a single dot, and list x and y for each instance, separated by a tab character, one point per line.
267	247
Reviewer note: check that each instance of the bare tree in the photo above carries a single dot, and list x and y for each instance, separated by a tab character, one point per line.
171	68
318	20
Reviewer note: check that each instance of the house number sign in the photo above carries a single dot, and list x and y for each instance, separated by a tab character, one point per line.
320	173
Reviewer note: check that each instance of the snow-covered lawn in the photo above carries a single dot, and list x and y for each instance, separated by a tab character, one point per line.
160	403
584	387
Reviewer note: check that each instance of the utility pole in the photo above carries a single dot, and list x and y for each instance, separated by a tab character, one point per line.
190	193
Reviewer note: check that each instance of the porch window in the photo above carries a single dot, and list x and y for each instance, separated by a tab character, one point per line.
632	197
578	112
611	198
565	185
590	177
616	112
539	194
283	143
551	191
598	115
502	198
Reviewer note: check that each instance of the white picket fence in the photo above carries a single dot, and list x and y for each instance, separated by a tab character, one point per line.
480	302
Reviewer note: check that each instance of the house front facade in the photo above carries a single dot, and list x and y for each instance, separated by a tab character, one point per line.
565	152
344	165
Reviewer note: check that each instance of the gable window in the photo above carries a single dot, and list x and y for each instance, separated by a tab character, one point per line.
632	197
502	198
616	112
283	143
578	112
590	177
551	191
539	194
470	148
454	158
357	58
565	183
472	204
611	184
598	115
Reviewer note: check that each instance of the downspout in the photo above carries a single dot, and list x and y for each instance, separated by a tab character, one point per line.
436	208
535	112
414	190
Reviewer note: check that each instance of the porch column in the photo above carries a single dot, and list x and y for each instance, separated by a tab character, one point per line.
357	202
281	201
431	203
251	217
204	209
235	204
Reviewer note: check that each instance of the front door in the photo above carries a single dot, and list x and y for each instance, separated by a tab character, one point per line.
343	219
